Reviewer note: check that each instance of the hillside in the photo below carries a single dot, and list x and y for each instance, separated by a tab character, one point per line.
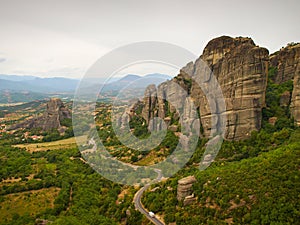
254	179
258	190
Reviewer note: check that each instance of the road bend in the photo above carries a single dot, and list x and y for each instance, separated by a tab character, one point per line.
138	201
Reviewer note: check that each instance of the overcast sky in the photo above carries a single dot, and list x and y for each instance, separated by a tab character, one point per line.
65	37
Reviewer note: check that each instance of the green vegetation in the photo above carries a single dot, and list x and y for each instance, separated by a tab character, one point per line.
273	107
22	96
58	186
27	203
139	126
254	181
261	189
140	129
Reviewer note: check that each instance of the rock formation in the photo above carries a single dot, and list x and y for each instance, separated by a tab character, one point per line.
286	61
51	118
184	188
295	104
241	69
287	64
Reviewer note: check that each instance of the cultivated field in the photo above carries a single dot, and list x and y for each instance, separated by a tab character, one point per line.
53	145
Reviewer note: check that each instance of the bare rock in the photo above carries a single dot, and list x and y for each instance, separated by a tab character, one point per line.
150	102
273	120
188	200
241	70
173	128
287	62
51	118
295	104
184	187
54	114
240	67
285	99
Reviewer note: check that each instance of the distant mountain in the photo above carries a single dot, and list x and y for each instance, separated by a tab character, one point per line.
129	78
55	84
37	84
17	77
158	75
136	81
14	86
18	86
20	96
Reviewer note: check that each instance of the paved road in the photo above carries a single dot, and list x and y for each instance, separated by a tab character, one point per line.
138	204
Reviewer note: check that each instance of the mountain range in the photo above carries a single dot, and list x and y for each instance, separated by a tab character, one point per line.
16	85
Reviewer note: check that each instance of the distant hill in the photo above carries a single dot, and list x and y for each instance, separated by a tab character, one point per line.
15	88
37	84
129	78
20	96
136	81
17	77
134	84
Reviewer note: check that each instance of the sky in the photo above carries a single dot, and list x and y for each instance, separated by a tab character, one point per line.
63	38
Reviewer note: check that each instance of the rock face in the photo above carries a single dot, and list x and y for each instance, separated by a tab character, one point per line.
295	104
51	119
241	70
184	188
55	112
287	62
285	99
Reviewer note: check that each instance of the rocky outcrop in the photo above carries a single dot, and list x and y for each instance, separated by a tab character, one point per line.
287	64
286	61
167	101
51	118
241	70
184	188
54	114
295	103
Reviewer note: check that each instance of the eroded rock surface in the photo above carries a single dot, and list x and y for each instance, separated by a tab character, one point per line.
51	119
287	64
184	188
241	69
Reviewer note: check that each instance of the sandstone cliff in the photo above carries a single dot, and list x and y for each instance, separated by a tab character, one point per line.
51	119
295	103
287	64
241	69
286	61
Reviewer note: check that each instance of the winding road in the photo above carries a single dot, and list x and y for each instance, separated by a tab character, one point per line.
137	198
138	204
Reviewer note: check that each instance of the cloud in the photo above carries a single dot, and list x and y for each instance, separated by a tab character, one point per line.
2	60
